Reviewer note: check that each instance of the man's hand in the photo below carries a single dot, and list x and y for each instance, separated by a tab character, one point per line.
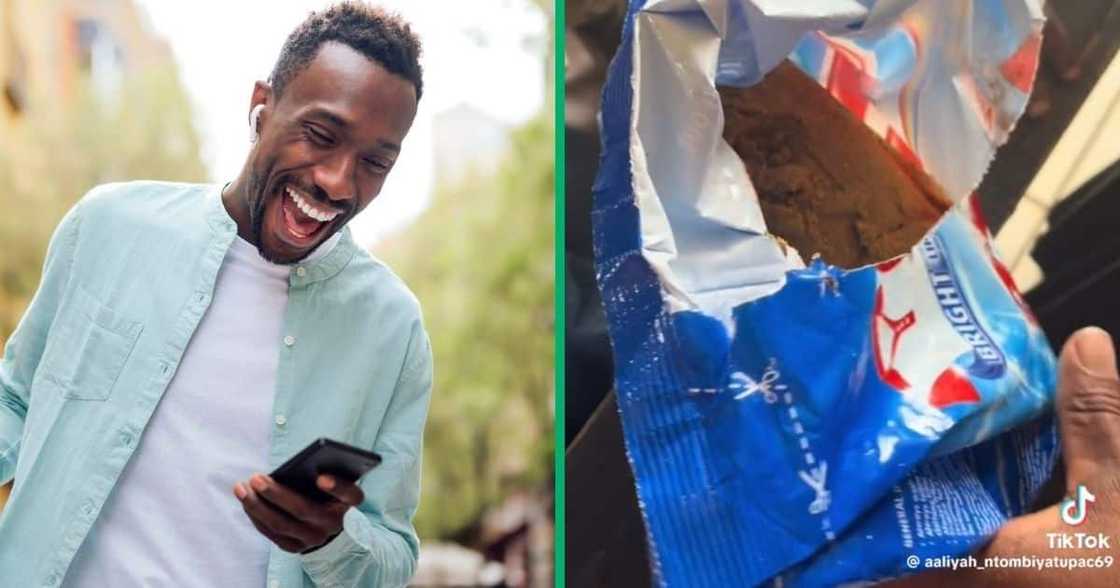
1089	421
291	521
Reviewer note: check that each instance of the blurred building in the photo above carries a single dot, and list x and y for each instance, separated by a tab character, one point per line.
47	45
467	139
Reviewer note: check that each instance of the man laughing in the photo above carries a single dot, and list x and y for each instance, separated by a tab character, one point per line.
187	338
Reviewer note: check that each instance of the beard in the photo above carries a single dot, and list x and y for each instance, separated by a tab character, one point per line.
257	201
257	195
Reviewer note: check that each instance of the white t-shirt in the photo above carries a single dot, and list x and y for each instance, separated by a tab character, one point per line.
172	519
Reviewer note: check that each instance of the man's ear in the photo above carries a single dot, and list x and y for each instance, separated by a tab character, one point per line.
262	96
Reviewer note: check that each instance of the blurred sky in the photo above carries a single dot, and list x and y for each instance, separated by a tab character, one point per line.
475	53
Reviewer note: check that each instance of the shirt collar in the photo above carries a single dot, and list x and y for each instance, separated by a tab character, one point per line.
314	269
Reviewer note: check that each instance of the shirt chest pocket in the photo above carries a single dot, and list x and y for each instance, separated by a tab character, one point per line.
87	348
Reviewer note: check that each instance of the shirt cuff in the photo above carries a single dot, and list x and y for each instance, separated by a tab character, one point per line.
329	560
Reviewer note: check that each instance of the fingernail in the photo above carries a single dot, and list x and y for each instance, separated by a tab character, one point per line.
239	491
1095	353
258	483
326	482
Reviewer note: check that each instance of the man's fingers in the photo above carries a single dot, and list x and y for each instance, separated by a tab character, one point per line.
290	520
290	501
1089	407
347	493
274	521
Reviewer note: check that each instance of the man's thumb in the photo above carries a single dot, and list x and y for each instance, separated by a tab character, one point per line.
1089	407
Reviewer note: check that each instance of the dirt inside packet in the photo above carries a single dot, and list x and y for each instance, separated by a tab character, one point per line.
827	183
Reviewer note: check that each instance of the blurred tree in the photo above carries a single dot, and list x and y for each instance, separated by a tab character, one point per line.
480	259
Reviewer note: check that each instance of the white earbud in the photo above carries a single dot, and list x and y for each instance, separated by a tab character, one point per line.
255	123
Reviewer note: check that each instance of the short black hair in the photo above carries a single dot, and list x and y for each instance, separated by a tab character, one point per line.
381	36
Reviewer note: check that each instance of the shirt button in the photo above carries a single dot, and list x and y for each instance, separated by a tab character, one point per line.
53	579
281	420
301	271
87	508
126	439
274	583
289	340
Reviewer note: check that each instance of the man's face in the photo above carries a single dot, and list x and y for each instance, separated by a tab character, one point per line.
325	148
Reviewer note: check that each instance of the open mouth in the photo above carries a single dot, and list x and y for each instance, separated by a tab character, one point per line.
303	219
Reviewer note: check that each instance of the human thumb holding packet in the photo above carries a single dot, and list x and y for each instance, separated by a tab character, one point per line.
1088	405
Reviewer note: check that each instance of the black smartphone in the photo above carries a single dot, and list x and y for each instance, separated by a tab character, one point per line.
324	456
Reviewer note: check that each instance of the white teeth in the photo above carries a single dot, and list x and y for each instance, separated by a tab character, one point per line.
315	213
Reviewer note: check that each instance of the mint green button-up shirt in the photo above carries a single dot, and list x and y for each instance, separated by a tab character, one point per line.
129	274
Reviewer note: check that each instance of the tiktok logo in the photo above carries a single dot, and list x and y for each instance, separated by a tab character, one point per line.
1074	510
